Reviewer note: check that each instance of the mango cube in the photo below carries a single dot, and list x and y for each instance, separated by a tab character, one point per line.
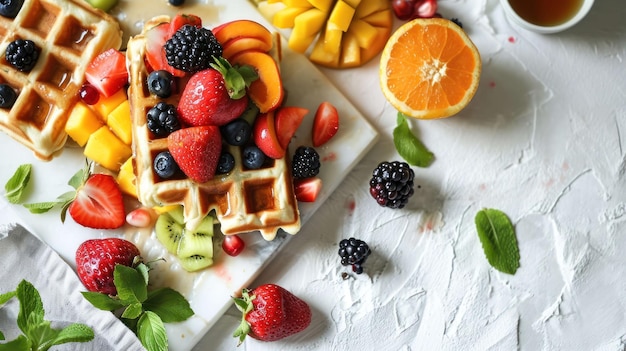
107	149
368	7
341	16
323	5
365	33
351	52
81	123
106	105
285	18
126	178
299	41
297	3
332	41
120	123
380	19
310	22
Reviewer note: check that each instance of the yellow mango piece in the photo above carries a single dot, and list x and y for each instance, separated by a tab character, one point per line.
368	7
126	178
341	15
351	51
107	149
268	10
364	32
272	1
310	22
298	41
106	105
81	123
353	3
382	18
332	41
324	5
164	209
119	122
321	56
285	18
297	3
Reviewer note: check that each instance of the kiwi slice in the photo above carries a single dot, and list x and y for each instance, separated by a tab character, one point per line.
169	228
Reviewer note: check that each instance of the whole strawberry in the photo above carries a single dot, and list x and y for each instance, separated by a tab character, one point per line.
96	259
271	313
215	96
196	150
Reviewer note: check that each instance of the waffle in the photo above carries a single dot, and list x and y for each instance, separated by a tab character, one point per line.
243	200
70	33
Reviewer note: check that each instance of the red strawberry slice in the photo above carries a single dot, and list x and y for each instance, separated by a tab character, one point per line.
325	123
264	135
307	189
155	49
98	203
180	20
271	313
107	72
96	260
288	119
196	150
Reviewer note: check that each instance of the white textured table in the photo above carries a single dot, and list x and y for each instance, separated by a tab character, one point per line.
543	140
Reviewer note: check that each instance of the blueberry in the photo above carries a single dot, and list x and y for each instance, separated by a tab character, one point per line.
226	163
10	8
164	165
176	2
160	83
253	157
237	132
7	96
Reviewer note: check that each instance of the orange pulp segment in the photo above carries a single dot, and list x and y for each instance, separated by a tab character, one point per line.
429	68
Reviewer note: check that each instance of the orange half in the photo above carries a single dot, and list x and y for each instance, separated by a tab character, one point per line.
429	68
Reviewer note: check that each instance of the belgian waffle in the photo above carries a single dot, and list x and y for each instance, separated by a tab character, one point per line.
70	33
243	200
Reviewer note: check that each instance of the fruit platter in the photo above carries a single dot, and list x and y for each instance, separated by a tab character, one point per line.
102	127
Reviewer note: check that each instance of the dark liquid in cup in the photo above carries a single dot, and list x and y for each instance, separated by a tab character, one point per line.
546	12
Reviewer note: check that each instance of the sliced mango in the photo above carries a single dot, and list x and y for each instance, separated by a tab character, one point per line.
299	41
126	178
351	53
108	150
382	18
324	5
297	3
106	105
119	122
341	15
285	18
81	123
310	22
365	33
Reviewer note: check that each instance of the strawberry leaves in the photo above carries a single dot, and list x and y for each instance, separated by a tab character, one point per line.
143	311
497	236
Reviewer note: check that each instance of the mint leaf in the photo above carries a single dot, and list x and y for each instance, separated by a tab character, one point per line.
16	185
31	307
102	301
168	304
151	332
130	284
411	149
132	311
6	297
498	239
79	178
40	207
21	343
41	335
76	332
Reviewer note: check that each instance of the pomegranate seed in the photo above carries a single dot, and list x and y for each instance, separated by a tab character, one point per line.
425	9
403	9
89	94
140	218
233	245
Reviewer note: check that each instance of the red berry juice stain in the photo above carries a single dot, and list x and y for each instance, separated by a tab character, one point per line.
221	271
330	157
512	40
492	84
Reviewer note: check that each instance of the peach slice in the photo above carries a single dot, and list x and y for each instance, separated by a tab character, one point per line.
237	45
242	28
266	92
264	136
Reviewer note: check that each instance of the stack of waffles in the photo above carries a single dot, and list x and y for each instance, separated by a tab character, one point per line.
69	33
244	200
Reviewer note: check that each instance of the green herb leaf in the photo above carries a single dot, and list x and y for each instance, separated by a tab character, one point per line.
411	149
76	332
132	311
21	343
497	236
102	301
16	185
40	207
41	335
168	304
1	335
6	297
130	284
143	269
31	307
79	178
151	332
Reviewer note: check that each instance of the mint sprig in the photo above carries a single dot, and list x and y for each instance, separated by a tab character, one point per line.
410	148
143	311
38	335
16	185
497	236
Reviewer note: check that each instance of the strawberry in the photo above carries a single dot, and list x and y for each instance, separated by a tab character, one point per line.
325	123
180	20
96	259
215	96
155	49
196	150
98	203
107	72
270	313
307	189
287	121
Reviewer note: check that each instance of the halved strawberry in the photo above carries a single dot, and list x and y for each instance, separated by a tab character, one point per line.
307	189
180	20
98	203
196	150
155	49
325	123
107	72
288	119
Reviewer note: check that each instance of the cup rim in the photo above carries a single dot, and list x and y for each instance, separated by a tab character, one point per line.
517	19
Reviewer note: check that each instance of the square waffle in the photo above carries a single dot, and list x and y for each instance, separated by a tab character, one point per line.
244	200
69	33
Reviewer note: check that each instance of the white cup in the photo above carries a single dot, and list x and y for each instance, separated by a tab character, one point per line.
518	20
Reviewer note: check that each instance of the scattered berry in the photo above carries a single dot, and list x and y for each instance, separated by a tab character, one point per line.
107	72
237	132
307	189
96	260
176	2
457	22
325	123
191	49
10	8
89	94
8	96
253	157
162	119
140	217
160	83
392	184
410	9
233	245
354	252
164	165
22	54
306	162
226	163
98	203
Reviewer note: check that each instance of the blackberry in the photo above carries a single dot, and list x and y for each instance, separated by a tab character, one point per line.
22	54
191	49
162	119
164	165
10	8
457	22
392	184
8	96
306	162
354	252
